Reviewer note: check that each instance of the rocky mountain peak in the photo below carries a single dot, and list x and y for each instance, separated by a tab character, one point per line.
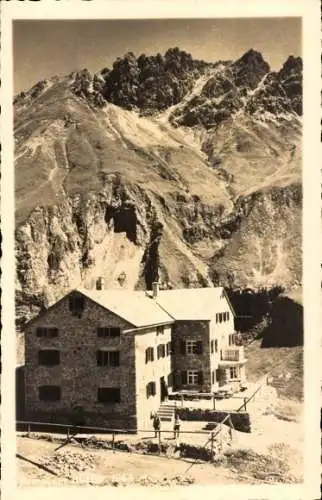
249	69
164	165
254	61
292	65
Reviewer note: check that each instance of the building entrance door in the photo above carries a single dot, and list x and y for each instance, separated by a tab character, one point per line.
163	389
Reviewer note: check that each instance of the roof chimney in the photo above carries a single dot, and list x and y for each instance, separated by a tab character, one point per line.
99	283
155	289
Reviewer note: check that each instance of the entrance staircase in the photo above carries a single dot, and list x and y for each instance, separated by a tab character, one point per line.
166	412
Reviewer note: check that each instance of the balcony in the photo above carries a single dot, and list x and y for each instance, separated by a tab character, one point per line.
232	355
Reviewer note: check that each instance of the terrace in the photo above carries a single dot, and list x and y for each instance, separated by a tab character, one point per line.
232	355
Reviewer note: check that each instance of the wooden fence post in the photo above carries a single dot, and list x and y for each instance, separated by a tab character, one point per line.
159	435
28	433
113	441
214	402
230	428
212	445
245	401
68	437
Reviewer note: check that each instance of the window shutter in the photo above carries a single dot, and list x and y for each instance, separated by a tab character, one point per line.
152	354
212	346
177	379
216	345
53	332
98	358
146	356
183	377
199	347
115	332
115	358
200	378
153	389
183	347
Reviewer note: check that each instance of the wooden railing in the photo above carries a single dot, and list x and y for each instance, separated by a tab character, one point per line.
232	354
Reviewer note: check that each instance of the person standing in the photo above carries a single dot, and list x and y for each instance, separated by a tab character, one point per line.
176	426
156	424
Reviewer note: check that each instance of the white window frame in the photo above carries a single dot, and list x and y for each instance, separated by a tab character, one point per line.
192	377
191	346
233	372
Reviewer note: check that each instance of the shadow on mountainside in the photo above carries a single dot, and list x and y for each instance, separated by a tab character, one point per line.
285	328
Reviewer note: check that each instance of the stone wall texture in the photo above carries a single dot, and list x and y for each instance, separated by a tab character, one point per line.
78	374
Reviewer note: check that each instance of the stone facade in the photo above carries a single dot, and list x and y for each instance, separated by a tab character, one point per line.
183	361
77	373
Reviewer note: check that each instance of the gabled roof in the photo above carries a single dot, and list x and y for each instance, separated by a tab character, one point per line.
139	309
134	307
193	303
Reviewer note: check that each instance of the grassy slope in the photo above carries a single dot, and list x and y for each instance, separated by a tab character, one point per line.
277	360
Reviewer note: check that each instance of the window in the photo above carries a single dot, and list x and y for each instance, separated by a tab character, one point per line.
49	357
149	354
108	358
108	331
47	332
212	346
76	304
150	389
49	393
160	330
161	351
169	348
220	317
108	395
193	347
216	345
194	377
232	339
233	372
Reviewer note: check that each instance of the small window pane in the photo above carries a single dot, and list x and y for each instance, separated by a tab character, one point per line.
114	332
108	395
49	393
49	357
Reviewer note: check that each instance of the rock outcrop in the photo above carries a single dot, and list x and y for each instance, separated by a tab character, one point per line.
193	182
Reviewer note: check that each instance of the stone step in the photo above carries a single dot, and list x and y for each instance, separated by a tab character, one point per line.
166	412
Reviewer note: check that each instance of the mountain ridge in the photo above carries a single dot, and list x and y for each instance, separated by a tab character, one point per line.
141	193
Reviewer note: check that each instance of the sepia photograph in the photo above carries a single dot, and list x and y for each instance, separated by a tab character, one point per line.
158	251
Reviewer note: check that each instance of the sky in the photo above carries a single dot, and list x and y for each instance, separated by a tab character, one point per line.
42	49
